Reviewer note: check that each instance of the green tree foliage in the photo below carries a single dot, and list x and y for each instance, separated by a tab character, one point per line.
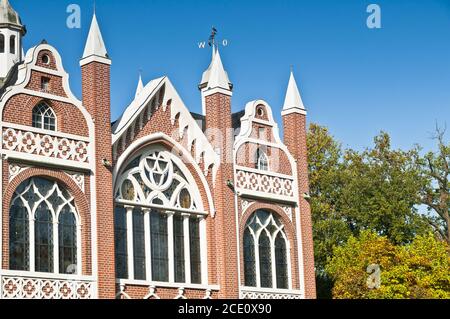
419	270
436	192
377	189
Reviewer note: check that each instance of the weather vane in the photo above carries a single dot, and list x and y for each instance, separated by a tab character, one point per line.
212	41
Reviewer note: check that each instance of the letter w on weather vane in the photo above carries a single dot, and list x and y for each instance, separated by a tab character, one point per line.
213	41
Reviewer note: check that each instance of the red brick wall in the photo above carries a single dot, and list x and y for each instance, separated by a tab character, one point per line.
295	139
96	99
278	160
52	60
19	108
55	86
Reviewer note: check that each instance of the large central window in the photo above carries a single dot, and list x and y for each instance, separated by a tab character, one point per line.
159	221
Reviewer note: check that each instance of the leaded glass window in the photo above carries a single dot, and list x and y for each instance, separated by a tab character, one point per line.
281	262
138	244
249	259
160	249
178	239
18	236
194	243
120	226
265	248
67	241
43	242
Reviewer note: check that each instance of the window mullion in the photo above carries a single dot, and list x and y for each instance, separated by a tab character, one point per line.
148	246
203	250
55	247
273	263
258	275
32	244
171	246
130	253
187	251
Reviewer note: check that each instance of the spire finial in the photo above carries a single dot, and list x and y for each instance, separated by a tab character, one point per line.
140	85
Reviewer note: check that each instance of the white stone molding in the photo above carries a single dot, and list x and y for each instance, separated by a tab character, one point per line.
78	178
152	293
16	169
180	294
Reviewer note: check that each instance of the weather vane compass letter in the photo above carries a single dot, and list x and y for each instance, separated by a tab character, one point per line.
212	41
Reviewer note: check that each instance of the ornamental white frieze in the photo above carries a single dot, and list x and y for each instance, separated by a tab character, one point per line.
16	140
264	183
31	288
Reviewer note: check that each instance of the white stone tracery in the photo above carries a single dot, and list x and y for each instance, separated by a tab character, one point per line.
152	178
157	179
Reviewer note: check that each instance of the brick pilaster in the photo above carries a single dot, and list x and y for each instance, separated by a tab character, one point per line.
218	118
96	98
295	140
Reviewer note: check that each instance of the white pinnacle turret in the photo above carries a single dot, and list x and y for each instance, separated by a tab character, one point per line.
140	87
95	47
293	102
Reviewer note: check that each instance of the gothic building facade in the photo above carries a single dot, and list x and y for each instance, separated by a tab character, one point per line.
162	203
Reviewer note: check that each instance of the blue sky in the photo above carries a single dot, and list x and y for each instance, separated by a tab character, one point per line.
355	80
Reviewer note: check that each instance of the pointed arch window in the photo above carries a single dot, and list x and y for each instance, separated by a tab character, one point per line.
41	211
44	117
12	44
266	253
171	238
262	161
2	43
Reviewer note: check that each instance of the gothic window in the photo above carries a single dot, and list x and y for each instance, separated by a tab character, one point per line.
262	161
50	209
266	253
120	225
2	43
44	117
158	185
12	44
